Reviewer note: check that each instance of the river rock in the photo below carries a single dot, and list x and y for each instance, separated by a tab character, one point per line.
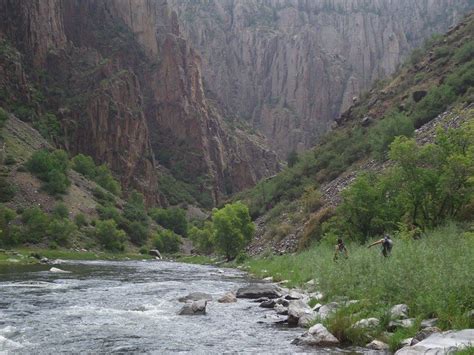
293	295
423	334
44	260
268	304
298	309
377	345
59	271
229	297
196	296
155	253
193	308
282	310
401	323
316	307
327	309
428	323
305	320
317	335
259	290
367	323
269	278
283	302
406	342
441	343
399	311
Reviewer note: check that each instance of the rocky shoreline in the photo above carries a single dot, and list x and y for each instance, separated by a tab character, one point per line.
292	308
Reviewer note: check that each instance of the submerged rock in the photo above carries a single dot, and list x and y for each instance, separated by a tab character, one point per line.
298	309
196	296
229	297
441	343
59	271
317	335
258	291
193	308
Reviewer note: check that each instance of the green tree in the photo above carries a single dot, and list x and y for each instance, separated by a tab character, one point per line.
202	238
134	209
36	224
138	233
7	238
60	231
109	236
7	190
171	218
84	165
51	168
105	179
166	241
292	158
233	229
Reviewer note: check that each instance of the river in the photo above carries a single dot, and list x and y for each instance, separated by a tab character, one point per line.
131	307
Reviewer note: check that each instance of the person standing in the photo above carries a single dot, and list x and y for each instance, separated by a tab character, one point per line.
386	243
340	250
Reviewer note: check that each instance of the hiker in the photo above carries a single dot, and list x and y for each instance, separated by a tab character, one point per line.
386	243
340	249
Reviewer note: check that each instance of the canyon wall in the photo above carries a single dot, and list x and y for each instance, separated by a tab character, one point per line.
290	67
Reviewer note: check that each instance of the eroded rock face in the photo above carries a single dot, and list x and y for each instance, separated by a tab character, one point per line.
290	67
128	91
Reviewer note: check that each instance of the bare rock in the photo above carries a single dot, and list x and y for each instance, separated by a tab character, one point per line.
399	311
268	304
155	253
196	296
441	343
259	290
229	297
327	309
298	309
428	323
282	310
192	308
423	334
401	323
317	335
59	271
377	345
367	323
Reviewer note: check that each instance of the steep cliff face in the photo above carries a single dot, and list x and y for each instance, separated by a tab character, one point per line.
128	91
292	66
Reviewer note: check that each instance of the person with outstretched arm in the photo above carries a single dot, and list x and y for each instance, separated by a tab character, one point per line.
340	250
386	243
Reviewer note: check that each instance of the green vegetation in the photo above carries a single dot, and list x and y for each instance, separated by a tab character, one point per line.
202	238
52	169
110	237
3	117
85	165
167	241
430	274
171	218
433	104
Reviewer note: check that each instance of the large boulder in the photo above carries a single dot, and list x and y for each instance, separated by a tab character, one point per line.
229	297
441	343
317	335
399	311
196	296
298	309
327	309
258	291
192	308
155	253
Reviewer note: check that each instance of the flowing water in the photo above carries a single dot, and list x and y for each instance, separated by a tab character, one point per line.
131	307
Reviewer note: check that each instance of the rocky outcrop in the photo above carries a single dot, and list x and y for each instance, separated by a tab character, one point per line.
127	90
441	343
290	67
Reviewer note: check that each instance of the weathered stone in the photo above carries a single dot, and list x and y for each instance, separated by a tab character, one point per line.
283	302
298	309
269	279
305	320
441	343
377	345
406	342
327	309
294	296
194	308
196	296
367	323
317	335
268	304
259	290
282	310
366	121
423	334
155	253
399	311
59	271
229	297
427	323
400	323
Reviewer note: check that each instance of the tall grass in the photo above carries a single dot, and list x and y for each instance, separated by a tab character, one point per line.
432	275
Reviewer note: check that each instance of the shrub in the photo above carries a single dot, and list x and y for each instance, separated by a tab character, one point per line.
109	236
80	219
462	79
3	117
36	224
465	53
84	165
109	212
434	103
7	190
60	211
171	218
138	233
292	158
313	230
383	134
105	179
51	168
57	183
233	229
202	238
7	238
103	196
134	209
48	126
166	241
311	199
61	230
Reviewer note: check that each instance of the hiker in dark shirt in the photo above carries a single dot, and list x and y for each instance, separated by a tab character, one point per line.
340	250
386	243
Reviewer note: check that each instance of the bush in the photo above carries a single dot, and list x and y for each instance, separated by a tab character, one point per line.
171	218
311	199
7	238
110	212
383	134
109	236
138	233
202	238
434	103
134	210
166	241
84	165
61	230
292	158
465	53
7	190
3	117
81	220
48	126
462	79
233	229
36	224
52	169
60	211
105	179
57	183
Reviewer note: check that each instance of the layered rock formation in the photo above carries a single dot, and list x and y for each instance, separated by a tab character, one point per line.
292	66
127	89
